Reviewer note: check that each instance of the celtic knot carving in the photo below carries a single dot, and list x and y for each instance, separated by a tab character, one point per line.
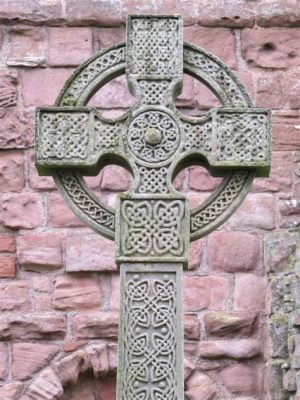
65	136
153	180
106	134
162	127
150	341
241	137
198	136
152	227
154	92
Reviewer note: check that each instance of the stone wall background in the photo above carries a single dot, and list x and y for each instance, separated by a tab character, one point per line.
58	279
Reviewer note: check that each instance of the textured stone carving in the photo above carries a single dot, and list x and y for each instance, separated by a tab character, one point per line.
152	223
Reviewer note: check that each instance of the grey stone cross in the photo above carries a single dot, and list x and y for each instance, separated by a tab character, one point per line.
152	224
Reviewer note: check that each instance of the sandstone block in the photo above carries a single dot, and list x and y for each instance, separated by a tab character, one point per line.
278	13
14	295
205	292
237	349
11	171
233	251
3	361
28	326
271	48
7	243
69	368
29	358
200	386
100	325
250	292
76	293
115	178
240	379
229	324
106	386
7	266
39	251
8	88
46	386
195	253
59	214
11	391
96	12
200	179
27	46
16	128
80	256
98	356
270	91
107	37
69	46
280	251
41	86
191	327
23	210
293	88
286	131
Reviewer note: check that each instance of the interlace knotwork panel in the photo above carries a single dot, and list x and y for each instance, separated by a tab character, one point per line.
154	46
154	92
198	135
64	135
106	134
241	137
150	337
153	136
152	227
153	180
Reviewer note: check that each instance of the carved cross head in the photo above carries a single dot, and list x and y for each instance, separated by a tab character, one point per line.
152	221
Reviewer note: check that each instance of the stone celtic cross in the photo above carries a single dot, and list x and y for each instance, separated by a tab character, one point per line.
152	224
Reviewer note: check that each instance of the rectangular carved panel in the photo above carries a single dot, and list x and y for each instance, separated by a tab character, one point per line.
150	333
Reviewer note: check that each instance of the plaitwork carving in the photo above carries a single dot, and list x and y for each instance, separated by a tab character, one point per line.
152	223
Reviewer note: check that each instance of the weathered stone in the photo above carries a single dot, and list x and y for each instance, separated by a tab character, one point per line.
7	266
200	386
71	345
106	386
199	179
15	128
3	361
270	90
81	257
278	13
14	296
69	368
271	48
240	379
11	391
220	42
237	349
36	181
23	210
46	386
293	88
195	253
11	171
7	243
29	358
101	325
96	12
69	46
289	381
191	327
59	214
98	356
76	293
286	131
289	213
107	37
233	251
115	178
250	292
8	88
280	251
27	46
229	325
40	251
205	292
32	327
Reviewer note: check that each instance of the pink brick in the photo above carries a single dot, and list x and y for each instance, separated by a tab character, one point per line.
40	251
278	13
257	211
7	266
81	256
36	181
240	379
233	251
29	358
32	10
93	12
69	46
27	46
115	178
107	37
22	210
250	292
3	361
220	42
271	48
281	174
14	296
7	243
42	86
76	293
270	91
205	292
200	179
11	171
59	214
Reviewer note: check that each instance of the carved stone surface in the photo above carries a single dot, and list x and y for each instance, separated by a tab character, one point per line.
152	223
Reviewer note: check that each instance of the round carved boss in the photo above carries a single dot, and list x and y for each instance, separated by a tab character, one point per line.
109	64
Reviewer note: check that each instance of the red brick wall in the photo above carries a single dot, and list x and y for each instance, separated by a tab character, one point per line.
58	280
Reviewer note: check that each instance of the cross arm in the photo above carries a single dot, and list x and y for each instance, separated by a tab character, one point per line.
74	137
230	138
